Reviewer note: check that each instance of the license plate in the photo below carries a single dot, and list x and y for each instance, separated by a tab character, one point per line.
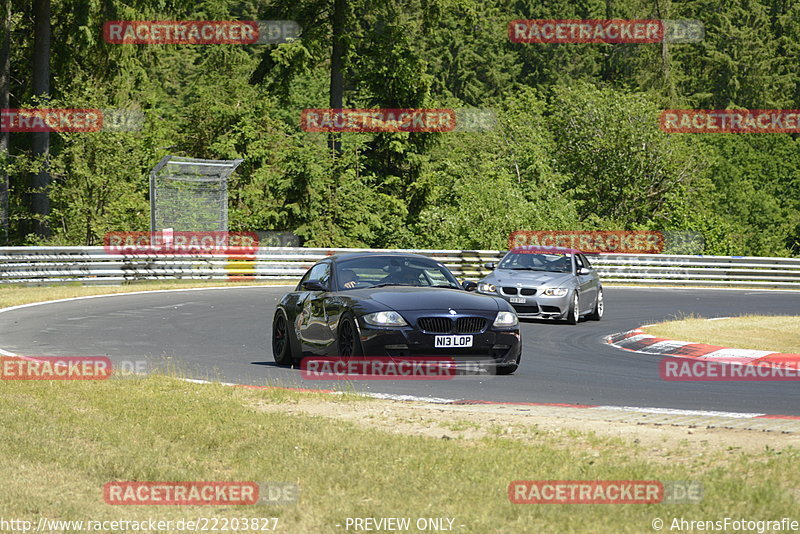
441	342
518	300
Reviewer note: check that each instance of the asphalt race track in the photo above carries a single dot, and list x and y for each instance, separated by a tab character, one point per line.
224	334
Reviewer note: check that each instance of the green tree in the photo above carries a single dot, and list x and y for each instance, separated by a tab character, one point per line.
621	165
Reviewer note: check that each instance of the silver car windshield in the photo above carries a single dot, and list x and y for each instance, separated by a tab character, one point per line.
548	262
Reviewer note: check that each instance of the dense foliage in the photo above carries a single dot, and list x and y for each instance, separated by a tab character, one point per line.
576	145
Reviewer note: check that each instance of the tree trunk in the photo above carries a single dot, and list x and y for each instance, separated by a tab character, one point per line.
662	12
337	68
608	61
40	144
5	137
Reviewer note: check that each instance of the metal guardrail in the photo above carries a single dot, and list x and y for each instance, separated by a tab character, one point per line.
87	265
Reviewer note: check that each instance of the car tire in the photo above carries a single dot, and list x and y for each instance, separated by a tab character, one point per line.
509	369
574	312
348	342
599	306
281	340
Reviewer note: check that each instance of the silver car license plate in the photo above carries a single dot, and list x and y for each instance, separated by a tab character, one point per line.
518	300
443	342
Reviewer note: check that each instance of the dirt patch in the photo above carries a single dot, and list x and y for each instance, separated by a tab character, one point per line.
657	441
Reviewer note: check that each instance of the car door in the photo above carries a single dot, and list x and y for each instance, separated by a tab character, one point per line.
314	331
587	283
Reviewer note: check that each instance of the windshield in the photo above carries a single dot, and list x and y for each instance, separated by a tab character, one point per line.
548	262
392	270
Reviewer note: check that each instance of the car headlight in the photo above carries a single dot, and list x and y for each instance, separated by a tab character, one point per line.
555	292
505	319
485	287
385	318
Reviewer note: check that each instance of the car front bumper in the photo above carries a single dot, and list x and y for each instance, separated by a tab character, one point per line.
538	306
494	346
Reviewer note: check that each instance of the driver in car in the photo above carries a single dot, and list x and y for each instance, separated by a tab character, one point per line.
349	278
401	275
561	265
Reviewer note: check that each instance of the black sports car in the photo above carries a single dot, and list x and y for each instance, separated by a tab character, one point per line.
393	305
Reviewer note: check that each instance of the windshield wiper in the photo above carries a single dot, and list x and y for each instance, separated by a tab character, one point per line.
526	269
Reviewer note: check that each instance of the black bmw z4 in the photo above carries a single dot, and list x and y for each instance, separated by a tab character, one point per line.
393	305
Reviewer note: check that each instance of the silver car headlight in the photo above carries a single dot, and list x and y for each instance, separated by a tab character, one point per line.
485	287
555	292
505	319
385	318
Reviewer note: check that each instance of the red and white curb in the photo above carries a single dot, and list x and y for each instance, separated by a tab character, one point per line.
639	341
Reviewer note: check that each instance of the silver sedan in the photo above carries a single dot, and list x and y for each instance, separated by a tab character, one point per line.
546	283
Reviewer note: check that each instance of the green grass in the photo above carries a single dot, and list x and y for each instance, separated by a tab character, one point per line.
760	332
62	441
460	424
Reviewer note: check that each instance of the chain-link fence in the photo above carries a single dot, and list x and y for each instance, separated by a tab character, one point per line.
190	195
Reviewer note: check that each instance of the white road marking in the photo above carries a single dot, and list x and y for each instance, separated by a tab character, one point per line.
689	288
670	411
391	396
748	354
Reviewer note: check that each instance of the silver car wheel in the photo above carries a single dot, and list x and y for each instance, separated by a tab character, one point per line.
600	303
576	313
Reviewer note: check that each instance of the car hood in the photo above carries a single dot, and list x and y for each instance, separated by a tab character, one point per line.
427	298
528	278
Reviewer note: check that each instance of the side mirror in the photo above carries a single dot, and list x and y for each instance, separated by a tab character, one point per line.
314	285
469	285
490	265
584	270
